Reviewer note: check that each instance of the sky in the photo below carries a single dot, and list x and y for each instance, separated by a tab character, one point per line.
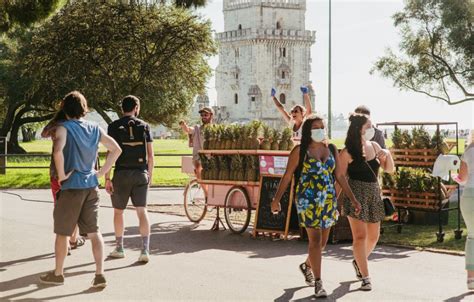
361	31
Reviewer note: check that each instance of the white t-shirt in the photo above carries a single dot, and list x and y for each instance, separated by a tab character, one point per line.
298	133
468	158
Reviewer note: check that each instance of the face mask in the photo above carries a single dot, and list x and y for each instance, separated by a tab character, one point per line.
318	135
369	134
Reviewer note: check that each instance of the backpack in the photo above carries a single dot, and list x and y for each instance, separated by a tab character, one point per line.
131	137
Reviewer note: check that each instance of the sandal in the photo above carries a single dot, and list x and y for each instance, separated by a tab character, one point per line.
79	242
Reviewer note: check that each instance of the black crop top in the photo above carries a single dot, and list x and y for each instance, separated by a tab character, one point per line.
359	170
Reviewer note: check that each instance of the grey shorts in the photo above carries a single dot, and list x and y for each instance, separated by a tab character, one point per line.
76	206
130	184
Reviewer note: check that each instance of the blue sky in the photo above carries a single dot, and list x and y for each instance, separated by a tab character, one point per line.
361	31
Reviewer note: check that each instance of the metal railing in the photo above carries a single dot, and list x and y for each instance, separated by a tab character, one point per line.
4	160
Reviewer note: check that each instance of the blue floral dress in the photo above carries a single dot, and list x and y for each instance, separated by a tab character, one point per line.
315	194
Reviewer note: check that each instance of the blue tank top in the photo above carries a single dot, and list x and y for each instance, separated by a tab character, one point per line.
80	154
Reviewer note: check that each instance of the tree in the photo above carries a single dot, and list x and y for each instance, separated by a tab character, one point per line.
109	50
25	13
437	50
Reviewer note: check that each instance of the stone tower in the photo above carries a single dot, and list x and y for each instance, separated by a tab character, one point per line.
264	45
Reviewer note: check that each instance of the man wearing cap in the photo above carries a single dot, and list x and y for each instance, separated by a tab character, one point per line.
207	115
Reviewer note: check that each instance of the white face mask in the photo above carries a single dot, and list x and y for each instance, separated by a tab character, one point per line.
369	134
318	135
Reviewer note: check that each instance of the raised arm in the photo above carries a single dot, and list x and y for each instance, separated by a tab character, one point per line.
280	107
293	161
307	99
385	158
113	153
186	129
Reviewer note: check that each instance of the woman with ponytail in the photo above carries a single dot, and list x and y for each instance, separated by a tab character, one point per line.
315	166
361	160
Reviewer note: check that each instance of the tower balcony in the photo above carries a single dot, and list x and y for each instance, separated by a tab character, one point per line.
266	34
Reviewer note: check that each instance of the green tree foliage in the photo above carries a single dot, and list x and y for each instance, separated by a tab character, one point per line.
436	55
25	12
108	50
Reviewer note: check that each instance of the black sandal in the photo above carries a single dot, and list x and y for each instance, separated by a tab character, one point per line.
79	242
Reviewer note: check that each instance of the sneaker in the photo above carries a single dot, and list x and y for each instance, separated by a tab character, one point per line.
144	257
366	285
357	270
319	291
51	278
307	273
470	283
99	281
117	253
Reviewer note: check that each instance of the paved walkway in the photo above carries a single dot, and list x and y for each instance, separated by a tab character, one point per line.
191	263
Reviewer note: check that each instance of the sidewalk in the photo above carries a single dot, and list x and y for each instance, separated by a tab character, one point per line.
190	263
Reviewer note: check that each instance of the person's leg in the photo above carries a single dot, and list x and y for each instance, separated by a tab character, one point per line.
98	251
467	209
373	234
359	244
144	226
60	253
118	228
315	250
198	172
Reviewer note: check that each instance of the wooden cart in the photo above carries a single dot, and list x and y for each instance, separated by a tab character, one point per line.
237	198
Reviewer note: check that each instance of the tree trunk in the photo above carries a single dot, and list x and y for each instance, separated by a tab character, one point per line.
13	145
104	115
9	118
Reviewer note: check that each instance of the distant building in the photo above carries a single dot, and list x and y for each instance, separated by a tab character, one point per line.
264	45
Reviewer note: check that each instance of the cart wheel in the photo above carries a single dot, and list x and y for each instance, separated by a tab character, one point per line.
195	205
237	209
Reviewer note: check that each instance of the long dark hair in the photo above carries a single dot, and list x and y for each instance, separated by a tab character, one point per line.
305	141
354	136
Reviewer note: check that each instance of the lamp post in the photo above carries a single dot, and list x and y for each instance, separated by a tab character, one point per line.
329	78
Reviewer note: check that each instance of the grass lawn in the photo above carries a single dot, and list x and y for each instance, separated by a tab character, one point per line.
424	236
39	178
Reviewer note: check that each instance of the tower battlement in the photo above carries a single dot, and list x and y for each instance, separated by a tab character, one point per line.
269	34
238	4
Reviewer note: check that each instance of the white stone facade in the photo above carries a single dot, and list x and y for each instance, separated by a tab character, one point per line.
264	45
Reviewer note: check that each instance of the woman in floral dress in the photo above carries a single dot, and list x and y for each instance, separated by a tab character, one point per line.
314	165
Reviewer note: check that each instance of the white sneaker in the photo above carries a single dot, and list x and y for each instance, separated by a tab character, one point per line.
470	283
144	257
117	253
319	291
366	285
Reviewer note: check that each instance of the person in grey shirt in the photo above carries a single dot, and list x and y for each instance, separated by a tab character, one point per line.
378	136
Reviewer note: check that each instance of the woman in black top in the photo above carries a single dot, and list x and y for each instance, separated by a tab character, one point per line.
362	159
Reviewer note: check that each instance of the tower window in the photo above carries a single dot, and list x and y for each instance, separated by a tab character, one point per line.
240	26
283	75
236	52
236	75
282	98
236	98
278	25
284	52
253	99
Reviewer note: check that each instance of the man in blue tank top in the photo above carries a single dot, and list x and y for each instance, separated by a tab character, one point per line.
75	153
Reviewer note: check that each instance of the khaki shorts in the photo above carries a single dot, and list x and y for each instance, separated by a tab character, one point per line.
130	184
76	206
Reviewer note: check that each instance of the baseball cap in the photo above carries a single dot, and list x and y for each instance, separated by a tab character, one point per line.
207	109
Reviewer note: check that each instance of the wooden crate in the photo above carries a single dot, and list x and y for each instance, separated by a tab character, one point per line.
414	157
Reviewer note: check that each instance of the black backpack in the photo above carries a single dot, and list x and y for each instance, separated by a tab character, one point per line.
131	137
